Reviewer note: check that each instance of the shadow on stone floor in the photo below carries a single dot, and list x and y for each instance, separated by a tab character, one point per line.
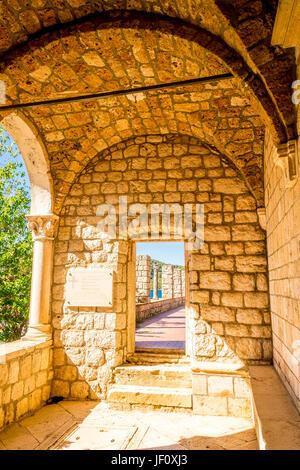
91	425
237	441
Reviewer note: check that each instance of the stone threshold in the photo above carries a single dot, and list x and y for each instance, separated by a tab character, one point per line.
149	356
199	367
181	352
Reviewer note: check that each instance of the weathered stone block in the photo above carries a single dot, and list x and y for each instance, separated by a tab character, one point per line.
73	338
17	390
244	282
14	368
220	385
200	262
199	296
36	362
60	388
241	387
95	357
204	345
22	408
25	367
215	280
29	385
41	378
256	300
232	299
215	313
79	390
199	384
68	373
248	348
224	263
239	407
249	316
34	400
216	233
229	186
210	406
251	264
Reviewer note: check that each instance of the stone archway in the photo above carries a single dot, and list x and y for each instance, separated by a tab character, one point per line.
41	221
34	157
227	328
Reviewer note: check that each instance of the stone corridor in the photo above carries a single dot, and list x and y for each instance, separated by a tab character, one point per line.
163	331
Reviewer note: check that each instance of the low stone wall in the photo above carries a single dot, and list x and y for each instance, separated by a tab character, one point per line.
25	378
154	307
219	390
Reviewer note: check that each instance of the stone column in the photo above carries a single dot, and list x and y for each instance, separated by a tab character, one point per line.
155	281
43	229
167	281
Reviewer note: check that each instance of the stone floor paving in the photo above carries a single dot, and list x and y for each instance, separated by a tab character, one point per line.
73	425
164	331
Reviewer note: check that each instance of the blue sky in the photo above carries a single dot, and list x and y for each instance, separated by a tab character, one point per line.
167	252
4	158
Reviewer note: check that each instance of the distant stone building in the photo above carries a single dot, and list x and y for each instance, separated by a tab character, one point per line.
172	288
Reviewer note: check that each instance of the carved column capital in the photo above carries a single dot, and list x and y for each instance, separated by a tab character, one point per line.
288	159
43	227
261	212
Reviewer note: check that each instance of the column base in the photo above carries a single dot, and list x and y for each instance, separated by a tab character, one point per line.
38	332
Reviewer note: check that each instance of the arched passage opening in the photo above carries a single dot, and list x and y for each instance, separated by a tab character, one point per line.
16	242
227	276
42	223
35	161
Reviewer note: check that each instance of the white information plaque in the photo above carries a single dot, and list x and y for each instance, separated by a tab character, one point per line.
89	287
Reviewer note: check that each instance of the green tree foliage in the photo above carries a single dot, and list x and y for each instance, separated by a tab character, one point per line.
15	244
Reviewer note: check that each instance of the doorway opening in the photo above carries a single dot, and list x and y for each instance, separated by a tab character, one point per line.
160	297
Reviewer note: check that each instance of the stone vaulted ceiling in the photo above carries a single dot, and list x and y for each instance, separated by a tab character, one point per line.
53	49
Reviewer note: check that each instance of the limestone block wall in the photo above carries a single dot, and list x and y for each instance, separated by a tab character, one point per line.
283	229
143	271
229	301
26	373
221	393
88	341
228	315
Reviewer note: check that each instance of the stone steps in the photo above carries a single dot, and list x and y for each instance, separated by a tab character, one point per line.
162	385
167	376
156	357
154	396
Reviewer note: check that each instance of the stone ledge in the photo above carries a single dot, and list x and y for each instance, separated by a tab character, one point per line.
204	367
16	349
276	418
